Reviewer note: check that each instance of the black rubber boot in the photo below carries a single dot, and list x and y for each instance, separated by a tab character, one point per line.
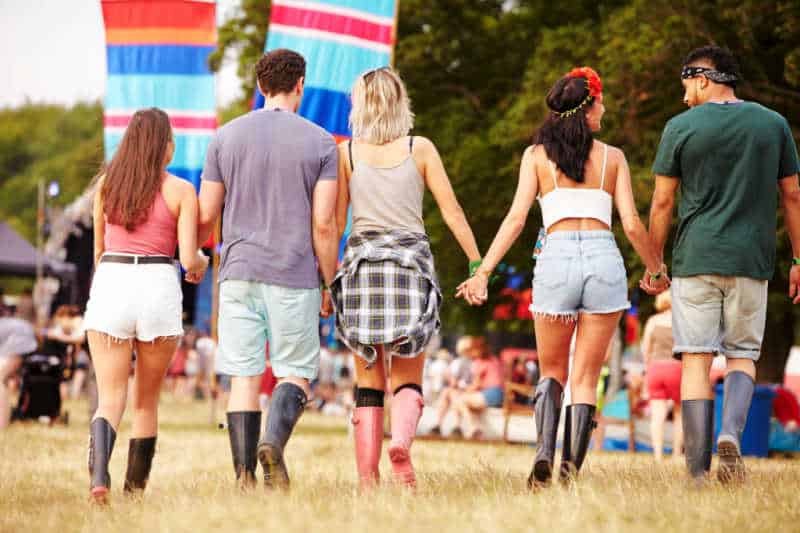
547	411
140	460
698	427
243	430
738	395
101	445
285	407
577	435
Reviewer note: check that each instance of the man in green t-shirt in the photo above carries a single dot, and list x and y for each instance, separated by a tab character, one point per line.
727	157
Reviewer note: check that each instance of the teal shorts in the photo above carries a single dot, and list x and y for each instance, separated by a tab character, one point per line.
250	313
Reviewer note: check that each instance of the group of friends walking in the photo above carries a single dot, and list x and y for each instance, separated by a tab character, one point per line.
283	189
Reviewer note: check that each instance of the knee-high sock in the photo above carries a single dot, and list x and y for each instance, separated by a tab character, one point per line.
407	407
285	408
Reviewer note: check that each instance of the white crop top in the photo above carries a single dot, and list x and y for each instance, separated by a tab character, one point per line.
562	203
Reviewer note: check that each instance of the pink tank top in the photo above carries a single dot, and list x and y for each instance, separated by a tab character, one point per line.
158	235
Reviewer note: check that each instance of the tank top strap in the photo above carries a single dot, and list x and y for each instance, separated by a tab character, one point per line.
603	171
350	153
553	172
410	143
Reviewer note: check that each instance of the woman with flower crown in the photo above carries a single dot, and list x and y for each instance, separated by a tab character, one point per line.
579	279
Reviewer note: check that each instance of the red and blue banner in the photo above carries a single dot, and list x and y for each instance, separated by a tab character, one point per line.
340	39
157	56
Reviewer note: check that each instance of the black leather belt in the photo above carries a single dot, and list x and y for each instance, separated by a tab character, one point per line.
137	259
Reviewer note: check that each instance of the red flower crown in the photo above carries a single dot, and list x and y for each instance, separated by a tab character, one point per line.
593	83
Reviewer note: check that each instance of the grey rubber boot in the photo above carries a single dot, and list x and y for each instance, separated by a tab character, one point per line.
287	404
243	430
698	433
140	461
738	396
547	412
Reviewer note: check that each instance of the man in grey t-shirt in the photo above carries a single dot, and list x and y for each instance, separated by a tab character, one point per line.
275	172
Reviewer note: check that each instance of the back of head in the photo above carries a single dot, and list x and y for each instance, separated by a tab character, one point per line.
278	71
381	110
463	346
565	133
134	176
724	69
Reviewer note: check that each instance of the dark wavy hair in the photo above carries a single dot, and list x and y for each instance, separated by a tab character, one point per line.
278	71
567	140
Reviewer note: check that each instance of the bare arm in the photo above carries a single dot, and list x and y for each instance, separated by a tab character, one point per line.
192	260
212	195
631	223
661	211
475	290
343	194
99	223
439	184
323	226
790	200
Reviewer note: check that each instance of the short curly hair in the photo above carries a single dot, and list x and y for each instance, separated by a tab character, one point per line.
278	71
723	60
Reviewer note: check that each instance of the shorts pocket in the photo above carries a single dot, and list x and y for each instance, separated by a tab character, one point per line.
551	273
609	269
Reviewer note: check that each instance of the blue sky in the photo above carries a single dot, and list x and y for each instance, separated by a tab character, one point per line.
54	51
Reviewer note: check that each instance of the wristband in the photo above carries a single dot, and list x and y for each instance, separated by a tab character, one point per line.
474	266
796	260
324	286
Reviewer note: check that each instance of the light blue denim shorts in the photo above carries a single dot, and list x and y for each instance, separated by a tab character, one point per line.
250	313
579	272
719	314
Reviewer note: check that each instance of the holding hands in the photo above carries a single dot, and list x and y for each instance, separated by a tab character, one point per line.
475	290
654	283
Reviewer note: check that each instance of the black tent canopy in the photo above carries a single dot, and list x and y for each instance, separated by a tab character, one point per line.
18	257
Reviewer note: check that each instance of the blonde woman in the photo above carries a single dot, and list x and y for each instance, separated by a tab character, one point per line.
663	376
386	294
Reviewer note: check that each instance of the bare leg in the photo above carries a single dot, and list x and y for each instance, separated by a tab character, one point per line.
594	335
553	338
151	365
77	383
244	393
471	406
8	366
677	430
695	381
658	414
112	363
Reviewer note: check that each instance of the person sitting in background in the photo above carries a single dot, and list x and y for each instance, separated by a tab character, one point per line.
435	374
459	375
17	339
486	389
663	376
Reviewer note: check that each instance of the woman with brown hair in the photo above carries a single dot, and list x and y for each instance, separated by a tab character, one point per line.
580	280
141	213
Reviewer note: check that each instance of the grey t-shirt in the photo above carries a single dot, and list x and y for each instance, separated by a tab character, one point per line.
270	161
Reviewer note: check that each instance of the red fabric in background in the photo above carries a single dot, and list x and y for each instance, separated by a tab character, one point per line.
785	406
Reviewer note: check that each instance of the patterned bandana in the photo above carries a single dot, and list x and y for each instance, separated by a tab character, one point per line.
710	73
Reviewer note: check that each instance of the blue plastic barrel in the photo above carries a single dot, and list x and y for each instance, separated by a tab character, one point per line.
755	439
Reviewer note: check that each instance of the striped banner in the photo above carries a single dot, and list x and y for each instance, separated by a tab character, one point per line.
157	55
340	39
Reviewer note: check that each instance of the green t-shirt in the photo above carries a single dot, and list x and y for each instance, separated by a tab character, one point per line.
728	158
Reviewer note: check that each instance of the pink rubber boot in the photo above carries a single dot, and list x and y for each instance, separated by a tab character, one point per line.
406	411
368	430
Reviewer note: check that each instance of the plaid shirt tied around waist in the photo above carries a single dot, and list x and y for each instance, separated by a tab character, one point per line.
386	292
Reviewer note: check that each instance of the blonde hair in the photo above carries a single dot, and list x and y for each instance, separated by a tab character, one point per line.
381	109
463	345
663	301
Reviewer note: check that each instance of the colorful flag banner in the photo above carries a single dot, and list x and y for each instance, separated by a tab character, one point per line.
157	56
340	39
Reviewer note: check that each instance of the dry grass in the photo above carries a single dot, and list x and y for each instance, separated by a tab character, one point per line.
463	487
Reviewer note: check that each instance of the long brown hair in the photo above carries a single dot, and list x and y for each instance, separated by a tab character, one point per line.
135	174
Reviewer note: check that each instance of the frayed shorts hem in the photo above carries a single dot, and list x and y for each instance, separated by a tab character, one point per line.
130	338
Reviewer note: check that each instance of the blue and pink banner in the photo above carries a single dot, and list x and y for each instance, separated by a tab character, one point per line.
339	39
157	56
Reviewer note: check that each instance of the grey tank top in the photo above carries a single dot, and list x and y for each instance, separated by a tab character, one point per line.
386	198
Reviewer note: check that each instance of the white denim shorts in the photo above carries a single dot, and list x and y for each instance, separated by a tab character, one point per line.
719	314
579	272
140	302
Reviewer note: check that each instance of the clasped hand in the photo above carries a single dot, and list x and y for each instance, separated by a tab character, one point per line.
474	290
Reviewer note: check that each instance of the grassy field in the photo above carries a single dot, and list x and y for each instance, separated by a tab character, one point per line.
462	487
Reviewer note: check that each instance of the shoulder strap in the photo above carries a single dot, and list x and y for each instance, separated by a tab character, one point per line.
553	172
603	172
350	152
410	143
